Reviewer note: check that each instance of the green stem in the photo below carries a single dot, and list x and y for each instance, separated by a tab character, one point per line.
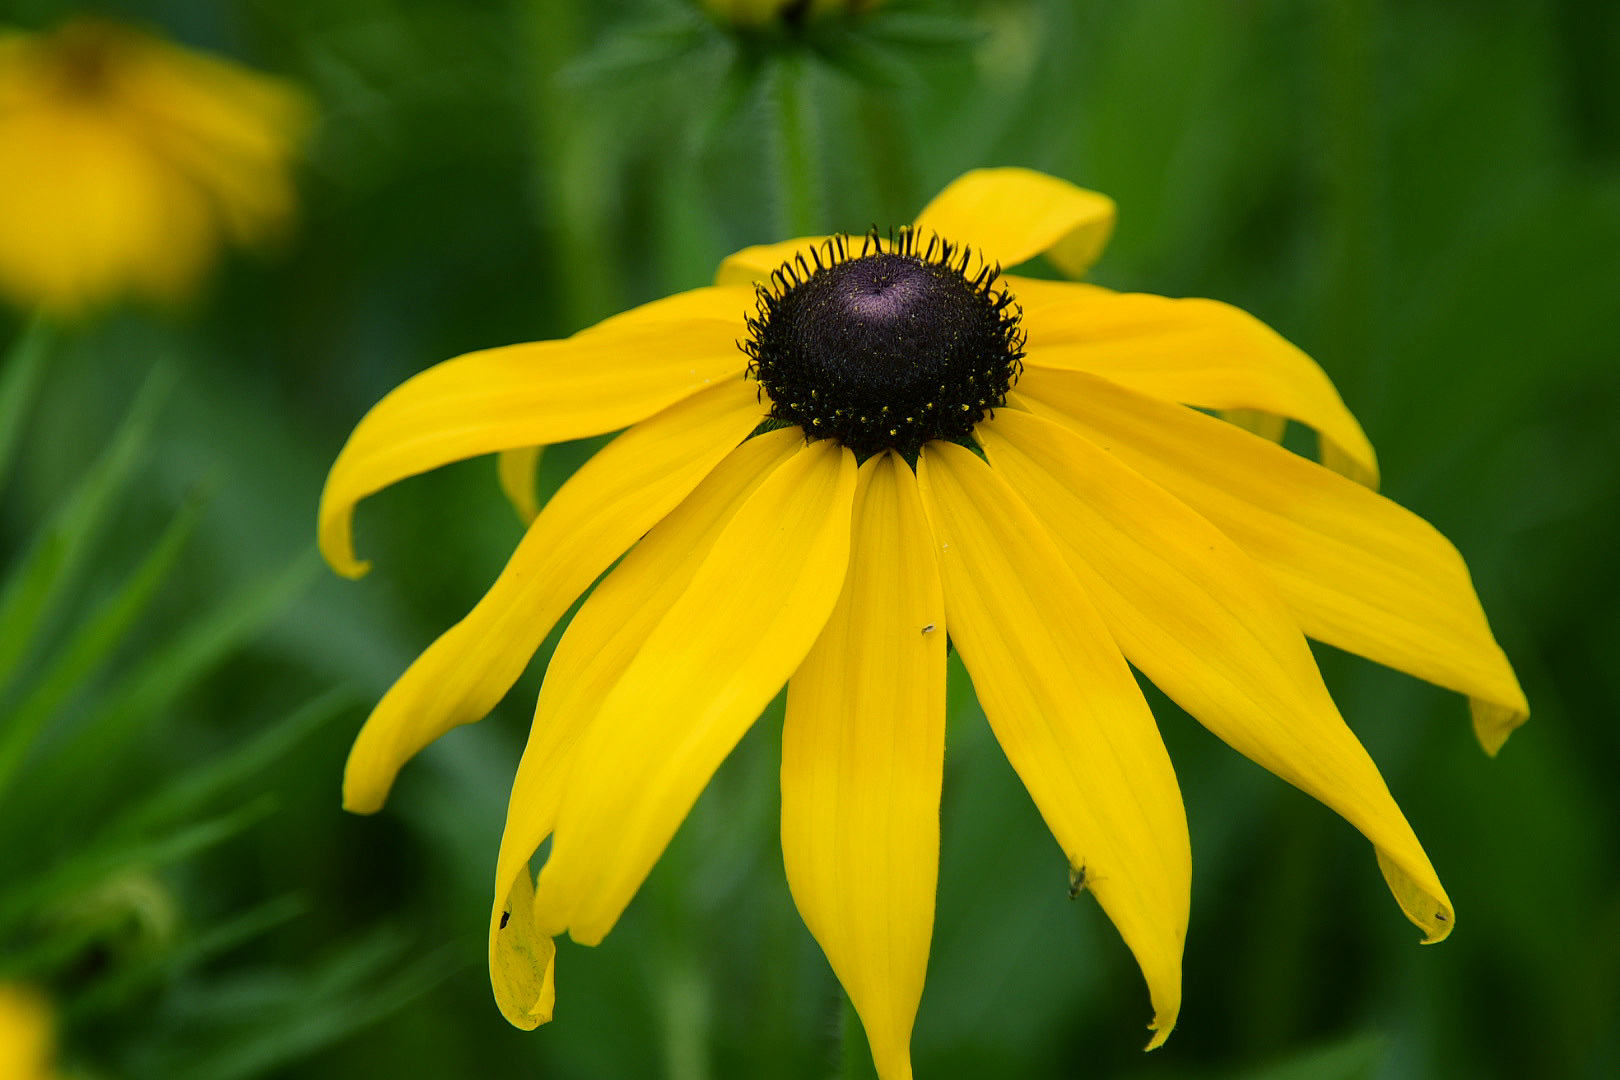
800	204
856	1056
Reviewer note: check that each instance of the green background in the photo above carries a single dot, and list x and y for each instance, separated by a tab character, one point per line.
1424	195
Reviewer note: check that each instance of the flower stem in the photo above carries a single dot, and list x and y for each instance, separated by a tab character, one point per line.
856	1058
799	202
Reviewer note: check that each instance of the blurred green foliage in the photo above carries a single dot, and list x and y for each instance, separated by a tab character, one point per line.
1425	195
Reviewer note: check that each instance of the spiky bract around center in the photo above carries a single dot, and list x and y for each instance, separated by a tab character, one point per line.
888	348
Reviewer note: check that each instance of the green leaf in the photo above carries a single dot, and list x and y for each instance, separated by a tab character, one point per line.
89	646
40	582
277	1022
171	668
83	869
176	801
112	993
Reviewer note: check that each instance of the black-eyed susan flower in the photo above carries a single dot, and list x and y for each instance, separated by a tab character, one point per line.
910	447
126	162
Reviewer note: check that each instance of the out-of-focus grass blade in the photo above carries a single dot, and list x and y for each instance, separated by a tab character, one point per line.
89	646
84	868
169	670
41	580
113	992
251	924
177	800
19	377
291	1020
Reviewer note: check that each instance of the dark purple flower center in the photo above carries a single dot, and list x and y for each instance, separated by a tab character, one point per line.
886	349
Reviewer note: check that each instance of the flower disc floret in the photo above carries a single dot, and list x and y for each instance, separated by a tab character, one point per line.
888	348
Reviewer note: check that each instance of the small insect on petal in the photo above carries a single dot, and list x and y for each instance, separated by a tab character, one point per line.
929	629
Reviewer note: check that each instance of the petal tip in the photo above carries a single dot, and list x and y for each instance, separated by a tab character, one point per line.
522	961
1439	926
1494	723
362	793
353	569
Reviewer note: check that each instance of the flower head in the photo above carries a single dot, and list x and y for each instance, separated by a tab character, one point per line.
125	163
912	446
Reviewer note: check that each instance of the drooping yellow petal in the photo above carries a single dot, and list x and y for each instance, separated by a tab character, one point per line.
1356	570
863	750
1011	215
610	627
614	498
757	263
751	612
521	395
1196	352
522	961
517	469
1196	616
1066	711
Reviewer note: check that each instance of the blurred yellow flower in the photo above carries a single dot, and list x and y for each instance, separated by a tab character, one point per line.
125	163
27	1035
914	447
760	12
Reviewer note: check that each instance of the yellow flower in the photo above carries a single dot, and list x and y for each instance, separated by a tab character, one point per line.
760	12
125	162
1024	466
27	1035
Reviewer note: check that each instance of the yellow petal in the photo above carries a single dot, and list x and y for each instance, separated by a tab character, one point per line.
517	469
522	962
730	303
862	754
1011	215
757	263
87	213
1197	352
230	131
521	395
613	499
1356	570
751	612
1196	616
1066	711
609	629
